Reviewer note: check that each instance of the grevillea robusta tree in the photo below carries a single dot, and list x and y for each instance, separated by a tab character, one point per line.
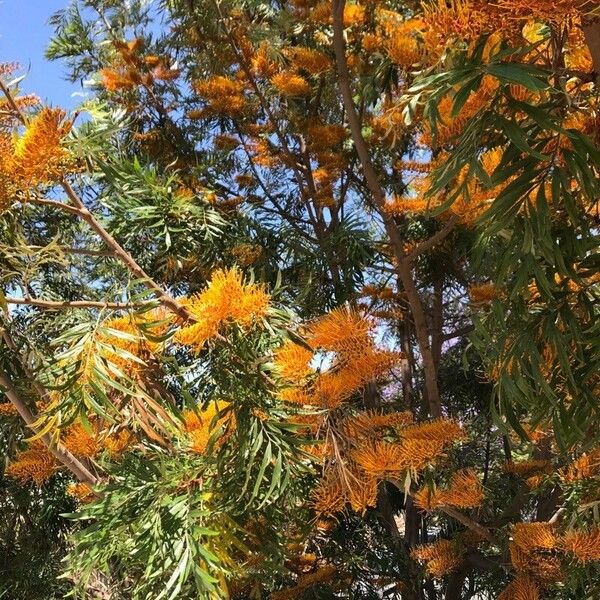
301	303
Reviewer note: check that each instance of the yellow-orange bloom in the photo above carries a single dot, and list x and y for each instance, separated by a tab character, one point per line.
522	588
354	14
81	491
483	293
325	136
80	442
337	385
341	330
224	96
117	443
7	409
526	468
289	83
293	361
226	299
381	459
362	494
534	536
585	545
369	423
587	465
34	464
441	557
311	61
329	497
201	426
420	453
39	155
446	431
403	47
296	395
465	491
305	582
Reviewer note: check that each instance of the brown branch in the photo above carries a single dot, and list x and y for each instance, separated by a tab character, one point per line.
58	451
458	333
71	250
590	25
164	298
58	304
434	239
78	208
55	204
402	265
469	523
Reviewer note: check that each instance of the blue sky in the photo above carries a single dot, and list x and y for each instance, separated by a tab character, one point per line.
24	34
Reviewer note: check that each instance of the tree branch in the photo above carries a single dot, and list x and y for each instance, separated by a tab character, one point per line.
469	523
78	208
71	250
590	25
434	239
402	265
58	451
58	304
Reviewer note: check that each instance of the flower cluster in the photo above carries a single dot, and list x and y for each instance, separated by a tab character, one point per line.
227	299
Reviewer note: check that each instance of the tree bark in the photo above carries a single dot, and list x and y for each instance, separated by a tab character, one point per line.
590	25
403	267
58	451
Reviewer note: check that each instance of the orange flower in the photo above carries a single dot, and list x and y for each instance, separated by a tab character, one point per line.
289	83
381	459
202	426
362	494
226	299
354	14
225	96
420	453
119	442
341	330
329	497
587	465
465	491
585	545
39	155
7	409
132	343
262	62
337	385
483	293
81	491
445	431
309	60
407	206
293	361
305	582
544	10
403	46
326	136
526	468
80	442
296	396
441	557
534	536
34	464
522	588
368	423
119	79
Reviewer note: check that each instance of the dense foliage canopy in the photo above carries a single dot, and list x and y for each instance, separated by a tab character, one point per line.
301	303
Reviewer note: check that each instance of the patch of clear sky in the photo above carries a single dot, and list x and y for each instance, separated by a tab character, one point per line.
24	36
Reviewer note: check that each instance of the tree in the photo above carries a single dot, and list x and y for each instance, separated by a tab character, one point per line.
306	305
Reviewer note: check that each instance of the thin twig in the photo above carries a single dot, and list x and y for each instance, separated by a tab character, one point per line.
58	304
